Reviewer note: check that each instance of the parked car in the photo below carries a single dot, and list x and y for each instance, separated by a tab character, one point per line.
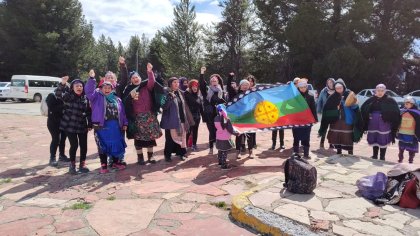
415	95
32	87
4	91
365	94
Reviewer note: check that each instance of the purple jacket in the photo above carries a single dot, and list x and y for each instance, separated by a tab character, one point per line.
98	104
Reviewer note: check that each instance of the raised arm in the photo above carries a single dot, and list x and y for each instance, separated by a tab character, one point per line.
90	88
123	75
151	77
231	91
62	90
202	82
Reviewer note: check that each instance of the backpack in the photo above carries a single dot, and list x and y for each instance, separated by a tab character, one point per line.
373	186
300	176
44	106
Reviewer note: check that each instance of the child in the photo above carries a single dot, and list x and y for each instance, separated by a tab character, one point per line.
408	131
224	130
109	121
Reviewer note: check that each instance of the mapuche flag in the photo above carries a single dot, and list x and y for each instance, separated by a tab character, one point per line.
272	107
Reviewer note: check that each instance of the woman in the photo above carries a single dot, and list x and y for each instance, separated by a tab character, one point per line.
409	130
213	95
176	120
195	104
141	114
322	99
382	118
341	113
252	136
76	120
109	121
303	134
58	137
183	84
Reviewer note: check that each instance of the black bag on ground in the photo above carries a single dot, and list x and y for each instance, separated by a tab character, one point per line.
300	176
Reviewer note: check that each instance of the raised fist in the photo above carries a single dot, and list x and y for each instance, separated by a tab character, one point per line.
64	79
203	70
121	60
232	74
149	67
92	74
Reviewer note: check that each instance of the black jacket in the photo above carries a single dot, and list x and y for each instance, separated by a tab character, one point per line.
55	109
195	104
311	103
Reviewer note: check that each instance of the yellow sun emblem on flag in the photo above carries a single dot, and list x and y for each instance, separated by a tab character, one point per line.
266	113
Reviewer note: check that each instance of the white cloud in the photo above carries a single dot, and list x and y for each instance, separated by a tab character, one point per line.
122	19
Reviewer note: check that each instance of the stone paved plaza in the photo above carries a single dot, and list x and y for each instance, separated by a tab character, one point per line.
178	198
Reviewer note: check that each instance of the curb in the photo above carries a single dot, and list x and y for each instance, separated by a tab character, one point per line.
263	221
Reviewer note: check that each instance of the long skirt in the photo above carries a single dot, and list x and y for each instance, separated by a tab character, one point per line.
340	135
110	140
148	130
408	143
174	146
379	131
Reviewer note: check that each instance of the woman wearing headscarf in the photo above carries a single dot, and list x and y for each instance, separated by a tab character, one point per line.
382	119
342	115
176	120
183	84
141	113
76	120
322	99
213	95
195	104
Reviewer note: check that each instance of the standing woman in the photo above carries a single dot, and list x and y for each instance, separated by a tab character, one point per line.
195	104
213	95
322	99
143	124
342	114
58	137
303	134
382	119
76	121
176	120
252	136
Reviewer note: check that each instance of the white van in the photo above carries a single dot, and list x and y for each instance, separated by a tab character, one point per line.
32	87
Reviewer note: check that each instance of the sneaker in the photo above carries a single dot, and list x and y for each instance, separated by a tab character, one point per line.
194	148
182	158
118	166
251	154
63	158
103	171
282	147
72	170
83	170
53	162
211	151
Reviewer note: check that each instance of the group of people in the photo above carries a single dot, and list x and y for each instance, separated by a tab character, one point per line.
130	106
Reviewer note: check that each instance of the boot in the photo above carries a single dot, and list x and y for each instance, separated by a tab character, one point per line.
63	158
219	157
411	157
82	167
273	147
339	151
401	156
53	161
140	160
375	152
382	154
306	153
72	168
150	158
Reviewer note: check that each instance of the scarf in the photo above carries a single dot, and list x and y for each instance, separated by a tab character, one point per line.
111	98
212	90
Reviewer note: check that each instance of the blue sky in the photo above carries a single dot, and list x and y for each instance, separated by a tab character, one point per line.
124	18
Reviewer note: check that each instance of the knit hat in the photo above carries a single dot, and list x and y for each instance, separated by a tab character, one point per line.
193	83
77	81
244	81
296	80
133	73
171	80
340	81
410	99
103	82
302	83
381	86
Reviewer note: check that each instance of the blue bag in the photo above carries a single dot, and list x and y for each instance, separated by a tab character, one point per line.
373	186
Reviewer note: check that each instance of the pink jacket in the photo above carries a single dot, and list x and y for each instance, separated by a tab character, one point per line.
223	134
